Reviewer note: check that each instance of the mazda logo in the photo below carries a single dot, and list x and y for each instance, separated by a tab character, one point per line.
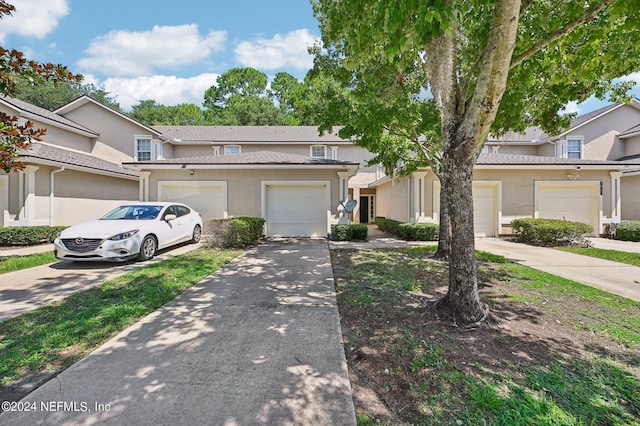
79	241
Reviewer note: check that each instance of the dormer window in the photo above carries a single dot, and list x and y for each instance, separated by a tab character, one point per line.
318	151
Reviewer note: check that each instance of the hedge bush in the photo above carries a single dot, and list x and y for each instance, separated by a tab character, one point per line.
238	232
419	231
352	231
388	225
550	232
409	231
628	230
28	235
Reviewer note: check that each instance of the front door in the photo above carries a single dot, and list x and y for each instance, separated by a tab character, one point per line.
364	209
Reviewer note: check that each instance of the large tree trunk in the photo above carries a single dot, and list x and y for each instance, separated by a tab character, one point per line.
462	302
444	233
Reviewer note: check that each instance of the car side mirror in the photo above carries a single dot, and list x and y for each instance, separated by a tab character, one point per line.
170	217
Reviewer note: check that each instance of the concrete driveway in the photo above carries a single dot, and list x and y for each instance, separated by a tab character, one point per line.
28	289
259	342
613	277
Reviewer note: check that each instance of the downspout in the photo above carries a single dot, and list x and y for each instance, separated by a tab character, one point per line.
52	194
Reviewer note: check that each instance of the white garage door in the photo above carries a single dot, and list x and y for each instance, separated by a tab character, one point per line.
575	202
296	210
484	210
207	198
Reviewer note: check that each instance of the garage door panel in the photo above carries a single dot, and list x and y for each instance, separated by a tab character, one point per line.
484	210
578	203
296	210
207	199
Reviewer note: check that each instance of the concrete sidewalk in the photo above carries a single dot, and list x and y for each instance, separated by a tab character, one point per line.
259	342
613	277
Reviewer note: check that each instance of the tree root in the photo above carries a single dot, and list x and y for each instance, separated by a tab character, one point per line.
445	312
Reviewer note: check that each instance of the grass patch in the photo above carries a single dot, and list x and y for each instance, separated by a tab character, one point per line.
614	255
56	336
17	263
555	352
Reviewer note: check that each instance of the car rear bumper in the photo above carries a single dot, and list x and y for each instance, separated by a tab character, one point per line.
105	250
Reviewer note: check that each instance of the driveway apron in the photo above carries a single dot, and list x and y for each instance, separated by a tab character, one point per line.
259	342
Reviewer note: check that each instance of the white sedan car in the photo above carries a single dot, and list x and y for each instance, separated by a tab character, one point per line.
132	230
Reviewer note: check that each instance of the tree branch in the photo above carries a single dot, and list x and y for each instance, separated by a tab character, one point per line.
587	16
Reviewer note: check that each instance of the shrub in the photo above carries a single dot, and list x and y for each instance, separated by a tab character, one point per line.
388	225
241	231
550	232
628	230
409	231
418	231
353	231
360	231
28	235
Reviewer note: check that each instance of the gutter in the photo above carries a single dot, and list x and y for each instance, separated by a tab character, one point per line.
52	194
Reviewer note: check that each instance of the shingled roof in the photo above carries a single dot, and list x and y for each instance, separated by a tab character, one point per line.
247	134
42	113
44	152
247	158
534	160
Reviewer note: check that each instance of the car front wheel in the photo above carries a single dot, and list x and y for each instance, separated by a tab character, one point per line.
197	234
148	248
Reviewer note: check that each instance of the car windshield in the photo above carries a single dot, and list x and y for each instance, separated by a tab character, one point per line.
133	212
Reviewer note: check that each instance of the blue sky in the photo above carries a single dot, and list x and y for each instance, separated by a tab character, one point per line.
170	51
164	50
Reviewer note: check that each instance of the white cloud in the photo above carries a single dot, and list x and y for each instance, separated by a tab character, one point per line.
33	18
570	108
166	90
279	52
126	53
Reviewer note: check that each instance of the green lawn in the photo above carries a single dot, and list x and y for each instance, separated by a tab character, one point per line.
16	263
615	255
557	352
56	336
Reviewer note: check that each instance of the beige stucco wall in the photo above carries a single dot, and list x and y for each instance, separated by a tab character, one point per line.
78	196
57	136
518	192
547	150
517	149
630	194
600	142
392	199
244	186
518	187
632	146
116	140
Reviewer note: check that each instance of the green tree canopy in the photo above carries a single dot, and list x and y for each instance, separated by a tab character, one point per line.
485	66
48	95
240	98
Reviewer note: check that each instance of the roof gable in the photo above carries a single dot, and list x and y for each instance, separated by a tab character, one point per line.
30	111
84	100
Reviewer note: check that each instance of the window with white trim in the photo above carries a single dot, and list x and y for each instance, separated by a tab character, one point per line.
318	151
232	149
574	147
143	148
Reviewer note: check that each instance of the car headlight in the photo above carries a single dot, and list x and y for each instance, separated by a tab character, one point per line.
124	235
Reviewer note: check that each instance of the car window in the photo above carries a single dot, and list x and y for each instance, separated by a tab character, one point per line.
168	211
133	212
182	210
